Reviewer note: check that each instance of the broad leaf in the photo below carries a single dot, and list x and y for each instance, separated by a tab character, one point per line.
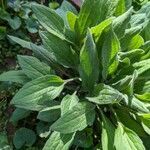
108	132
104	94
136	42
136	104
60	49
142	66
71	18
64	9
29	95
94	12
23	43
126	139
144	97
121	7
98	29
76	119
49	19
14	76
121	23
130	122
129	35
84	138
32	67
19	114
59	141
24	137
49	114
89	63
145	119
68	102
126	85
110	49
39	51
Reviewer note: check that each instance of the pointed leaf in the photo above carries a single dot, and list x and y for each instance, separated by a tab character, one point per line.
19	114
49	114
59	141
68	102
104	94
98	29
110	49
126	139
142	66
76	119
108	132
60	49
14	76
121	23
29	95
93	12
32	67
49	19
89	63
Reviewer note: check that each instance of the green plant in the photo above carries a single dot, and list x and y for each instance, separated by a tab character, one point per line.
89	80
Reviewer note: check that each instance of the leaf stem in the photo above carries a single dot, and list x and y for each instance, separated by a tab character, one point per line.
72	79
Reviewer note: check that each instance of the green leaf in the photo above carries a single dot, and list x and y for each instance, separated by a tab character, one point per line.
121	23
42	129
4	15
30	94
110	49
131	54
32	67
139	19
126	85
146	33
129	35
144	97
145	118
98	29
67	6
60	49
2	32
59	141
126	139
19	114
49	19
43	54
93	13
130	122
14	76
84	138
108	132
136	104
49	114
24	136
15	23
68	102
142	66
39	51
146	86
4	144
23	43
121	8
104	94
76	119
64	9
71	17
89	63
136	42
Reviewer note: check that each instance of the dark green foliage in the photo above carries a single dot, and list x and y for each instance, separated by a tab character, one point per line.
88	82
